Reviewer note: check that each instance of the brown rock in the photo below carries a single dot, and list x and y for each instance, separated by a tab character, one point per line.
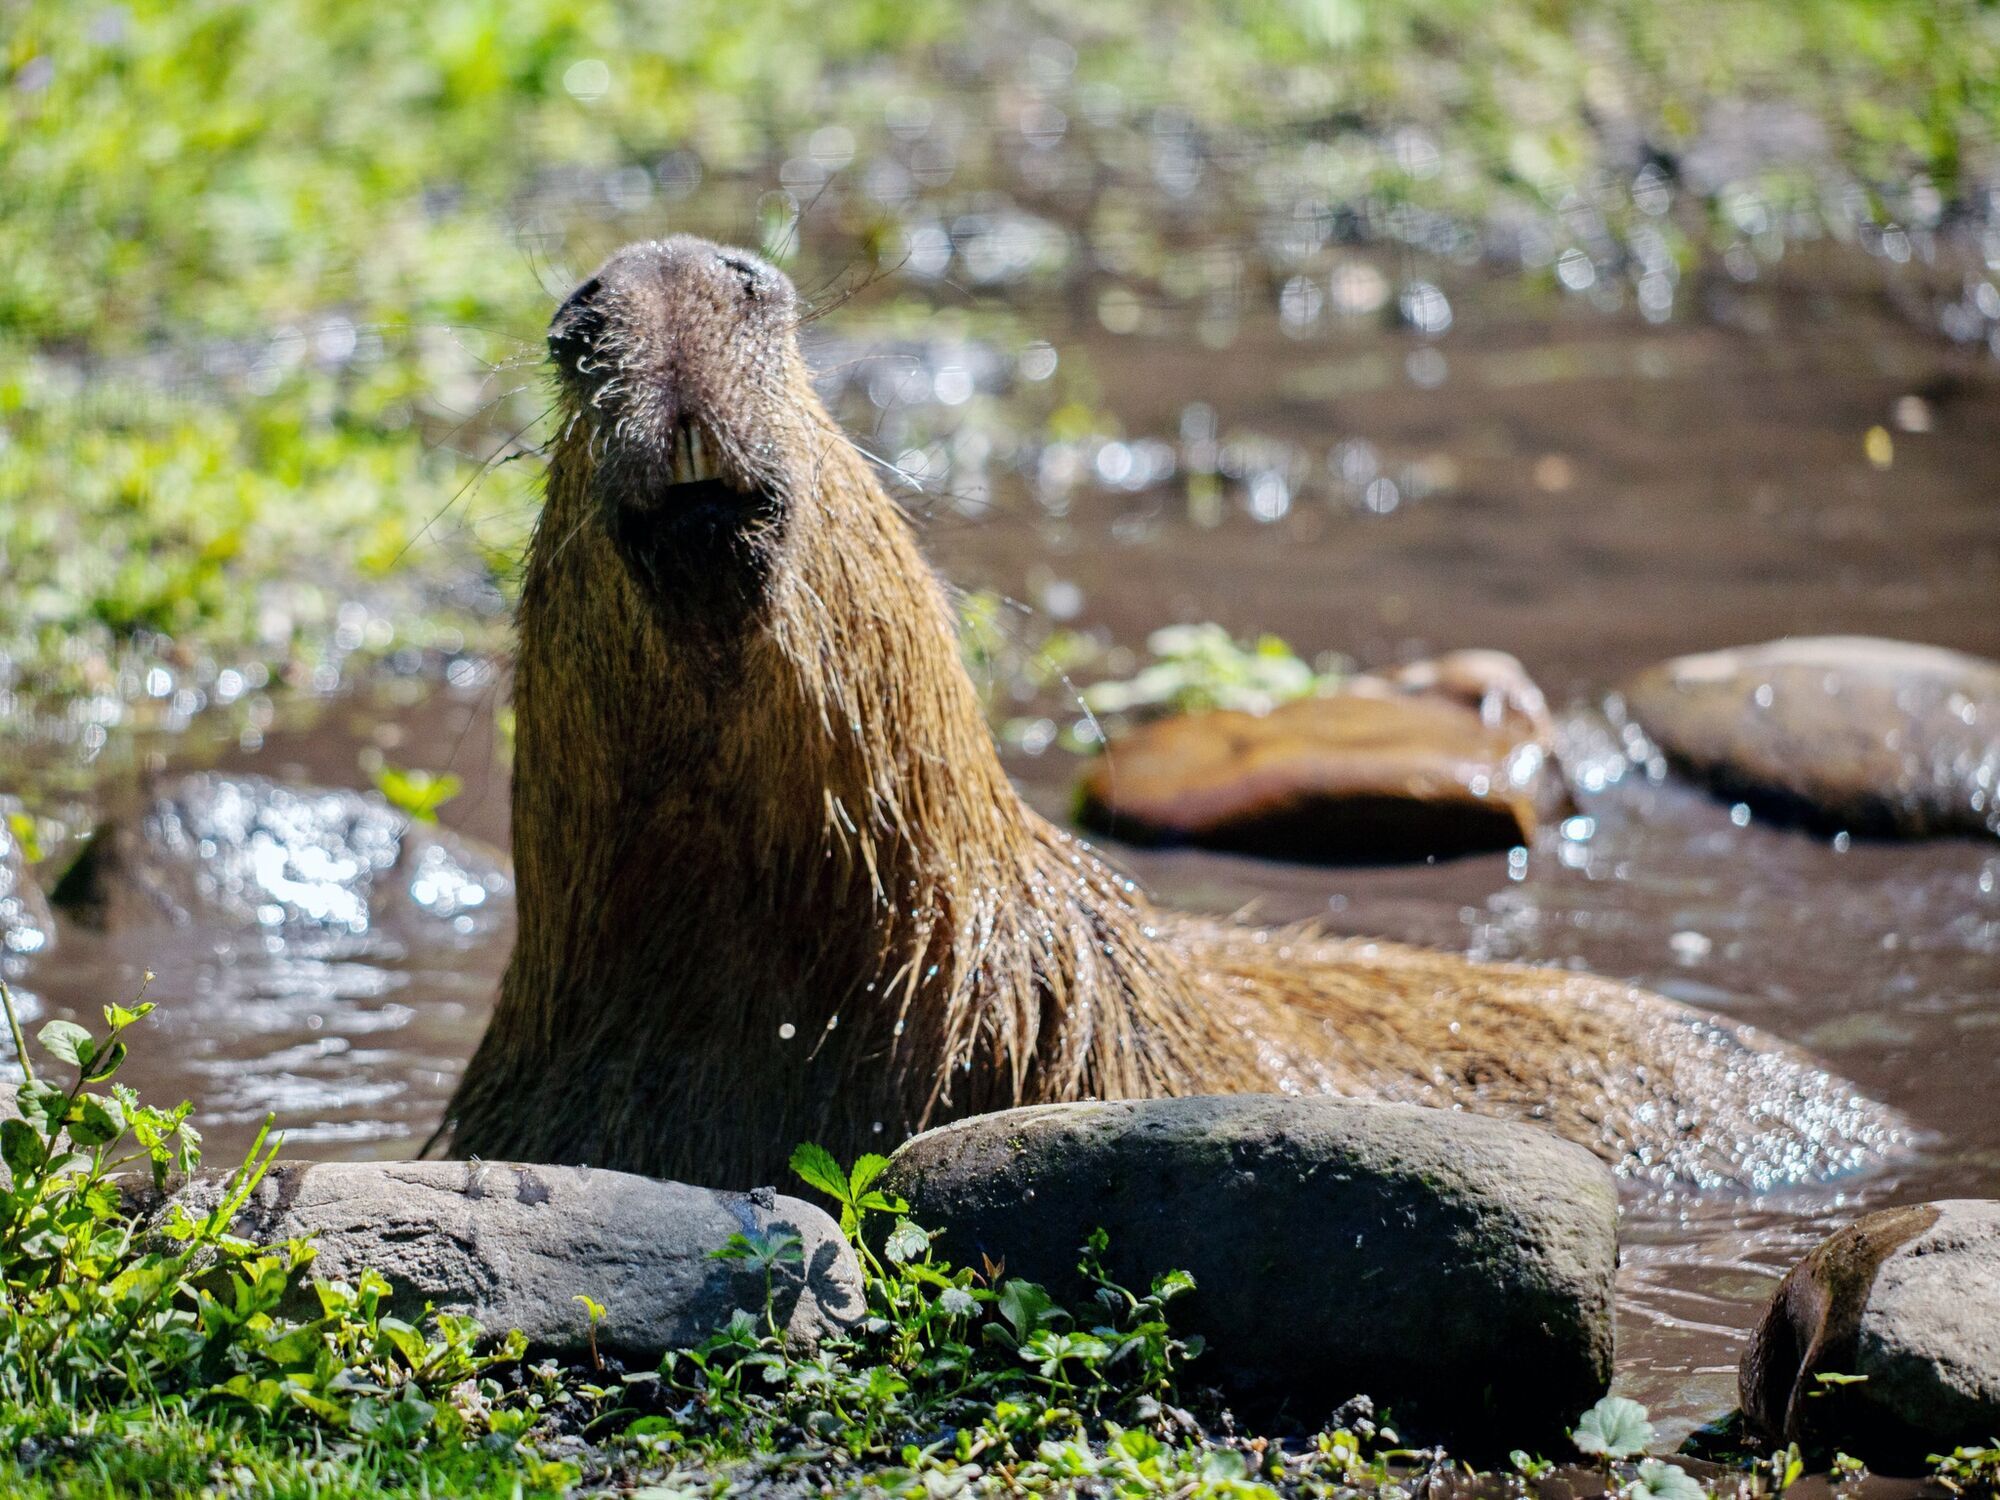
1905	1305
1444	757
1839	732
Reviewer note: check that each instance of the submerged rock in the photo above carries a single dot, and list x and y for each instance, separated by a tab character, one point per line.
1455	1267
1908	1301
1445	757
513	1246
246	852
26	926
1840	732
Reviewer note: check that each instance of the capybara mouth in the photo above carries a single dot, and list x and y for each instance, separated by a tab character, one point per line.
694	534
687	477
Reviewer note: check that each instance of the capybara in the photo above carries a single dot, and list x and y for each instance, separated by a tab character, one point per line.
775	886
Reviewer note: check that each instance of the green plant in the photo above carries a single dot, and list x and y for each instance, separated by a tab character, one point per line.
1613	1429
418	793
1202	666
106	1310
1969	1470
950	1366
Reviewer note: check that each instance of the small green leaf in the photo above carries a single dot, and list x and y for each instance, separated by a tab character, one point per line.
1614	1428
22	1149
418	793
65	1041
42	1100
815	1165
866	1169
103	1064
1663	1481
906	1242
95	1122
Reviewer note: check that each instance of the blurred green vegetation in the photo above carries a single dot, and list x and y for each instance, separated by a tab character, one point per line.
276	269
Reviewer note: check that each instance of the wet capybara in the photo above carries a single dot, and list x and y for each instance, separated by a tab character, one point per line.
775	887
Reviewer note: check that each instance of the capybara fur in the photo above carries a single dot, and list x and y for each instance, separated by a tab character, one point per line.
775	887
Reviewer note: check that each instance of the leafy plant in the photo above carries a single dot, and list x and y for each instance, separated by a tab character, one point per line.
1656	1480
1202	666
418	793
1615	1428
103	1308
1969	1470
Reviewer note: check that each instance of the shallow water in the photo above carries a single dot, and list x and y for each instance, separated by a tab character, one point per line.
1586	490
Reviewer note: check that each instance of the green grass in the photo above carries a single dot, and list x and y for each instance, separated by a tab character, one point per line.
397	193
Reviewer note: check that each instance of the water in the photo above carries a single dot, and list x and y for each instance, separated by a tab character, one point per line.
1591	490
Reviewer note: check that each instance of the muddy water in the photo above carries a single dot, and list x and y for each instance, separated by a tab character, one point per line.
1582	489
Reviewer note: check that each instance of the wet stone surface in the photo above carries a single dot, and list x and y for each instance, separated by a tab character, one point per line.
1885	1339
1337	1246
1444	757
1846	733
27	927
514	1245
302	863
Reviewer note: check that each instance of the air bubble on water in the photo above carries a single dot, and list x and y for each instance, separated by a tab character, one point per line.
1426	369
1037	361
587	80
1690	947
1425	308
1575	270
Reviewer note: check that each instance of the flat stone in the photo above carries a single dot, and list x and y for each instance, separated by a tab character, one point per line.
1908	1299
246	852
1457	1268
513	1246
26	925
1848	733
1446	757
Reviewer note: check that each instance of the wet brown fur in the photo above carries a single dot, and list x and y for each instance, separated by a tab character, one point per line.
763	795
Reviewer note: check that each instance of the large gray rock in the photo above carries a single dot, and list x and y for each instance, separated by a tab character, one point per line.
245	853
1909	1300
513	1246
26	927
1840	732
1455	1267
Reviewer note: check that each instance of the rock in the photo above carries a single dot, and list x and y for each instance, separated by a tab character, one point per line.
1908	1299
1457	1268
513	1245
245	852
26	925
1839	732
1446	757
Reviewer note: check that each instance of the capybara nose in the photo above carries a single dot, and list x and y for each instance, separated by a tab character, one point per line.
574	330
649	294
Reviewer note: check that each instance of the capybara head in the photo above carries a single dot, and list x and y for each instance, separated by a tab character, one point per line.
680	371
